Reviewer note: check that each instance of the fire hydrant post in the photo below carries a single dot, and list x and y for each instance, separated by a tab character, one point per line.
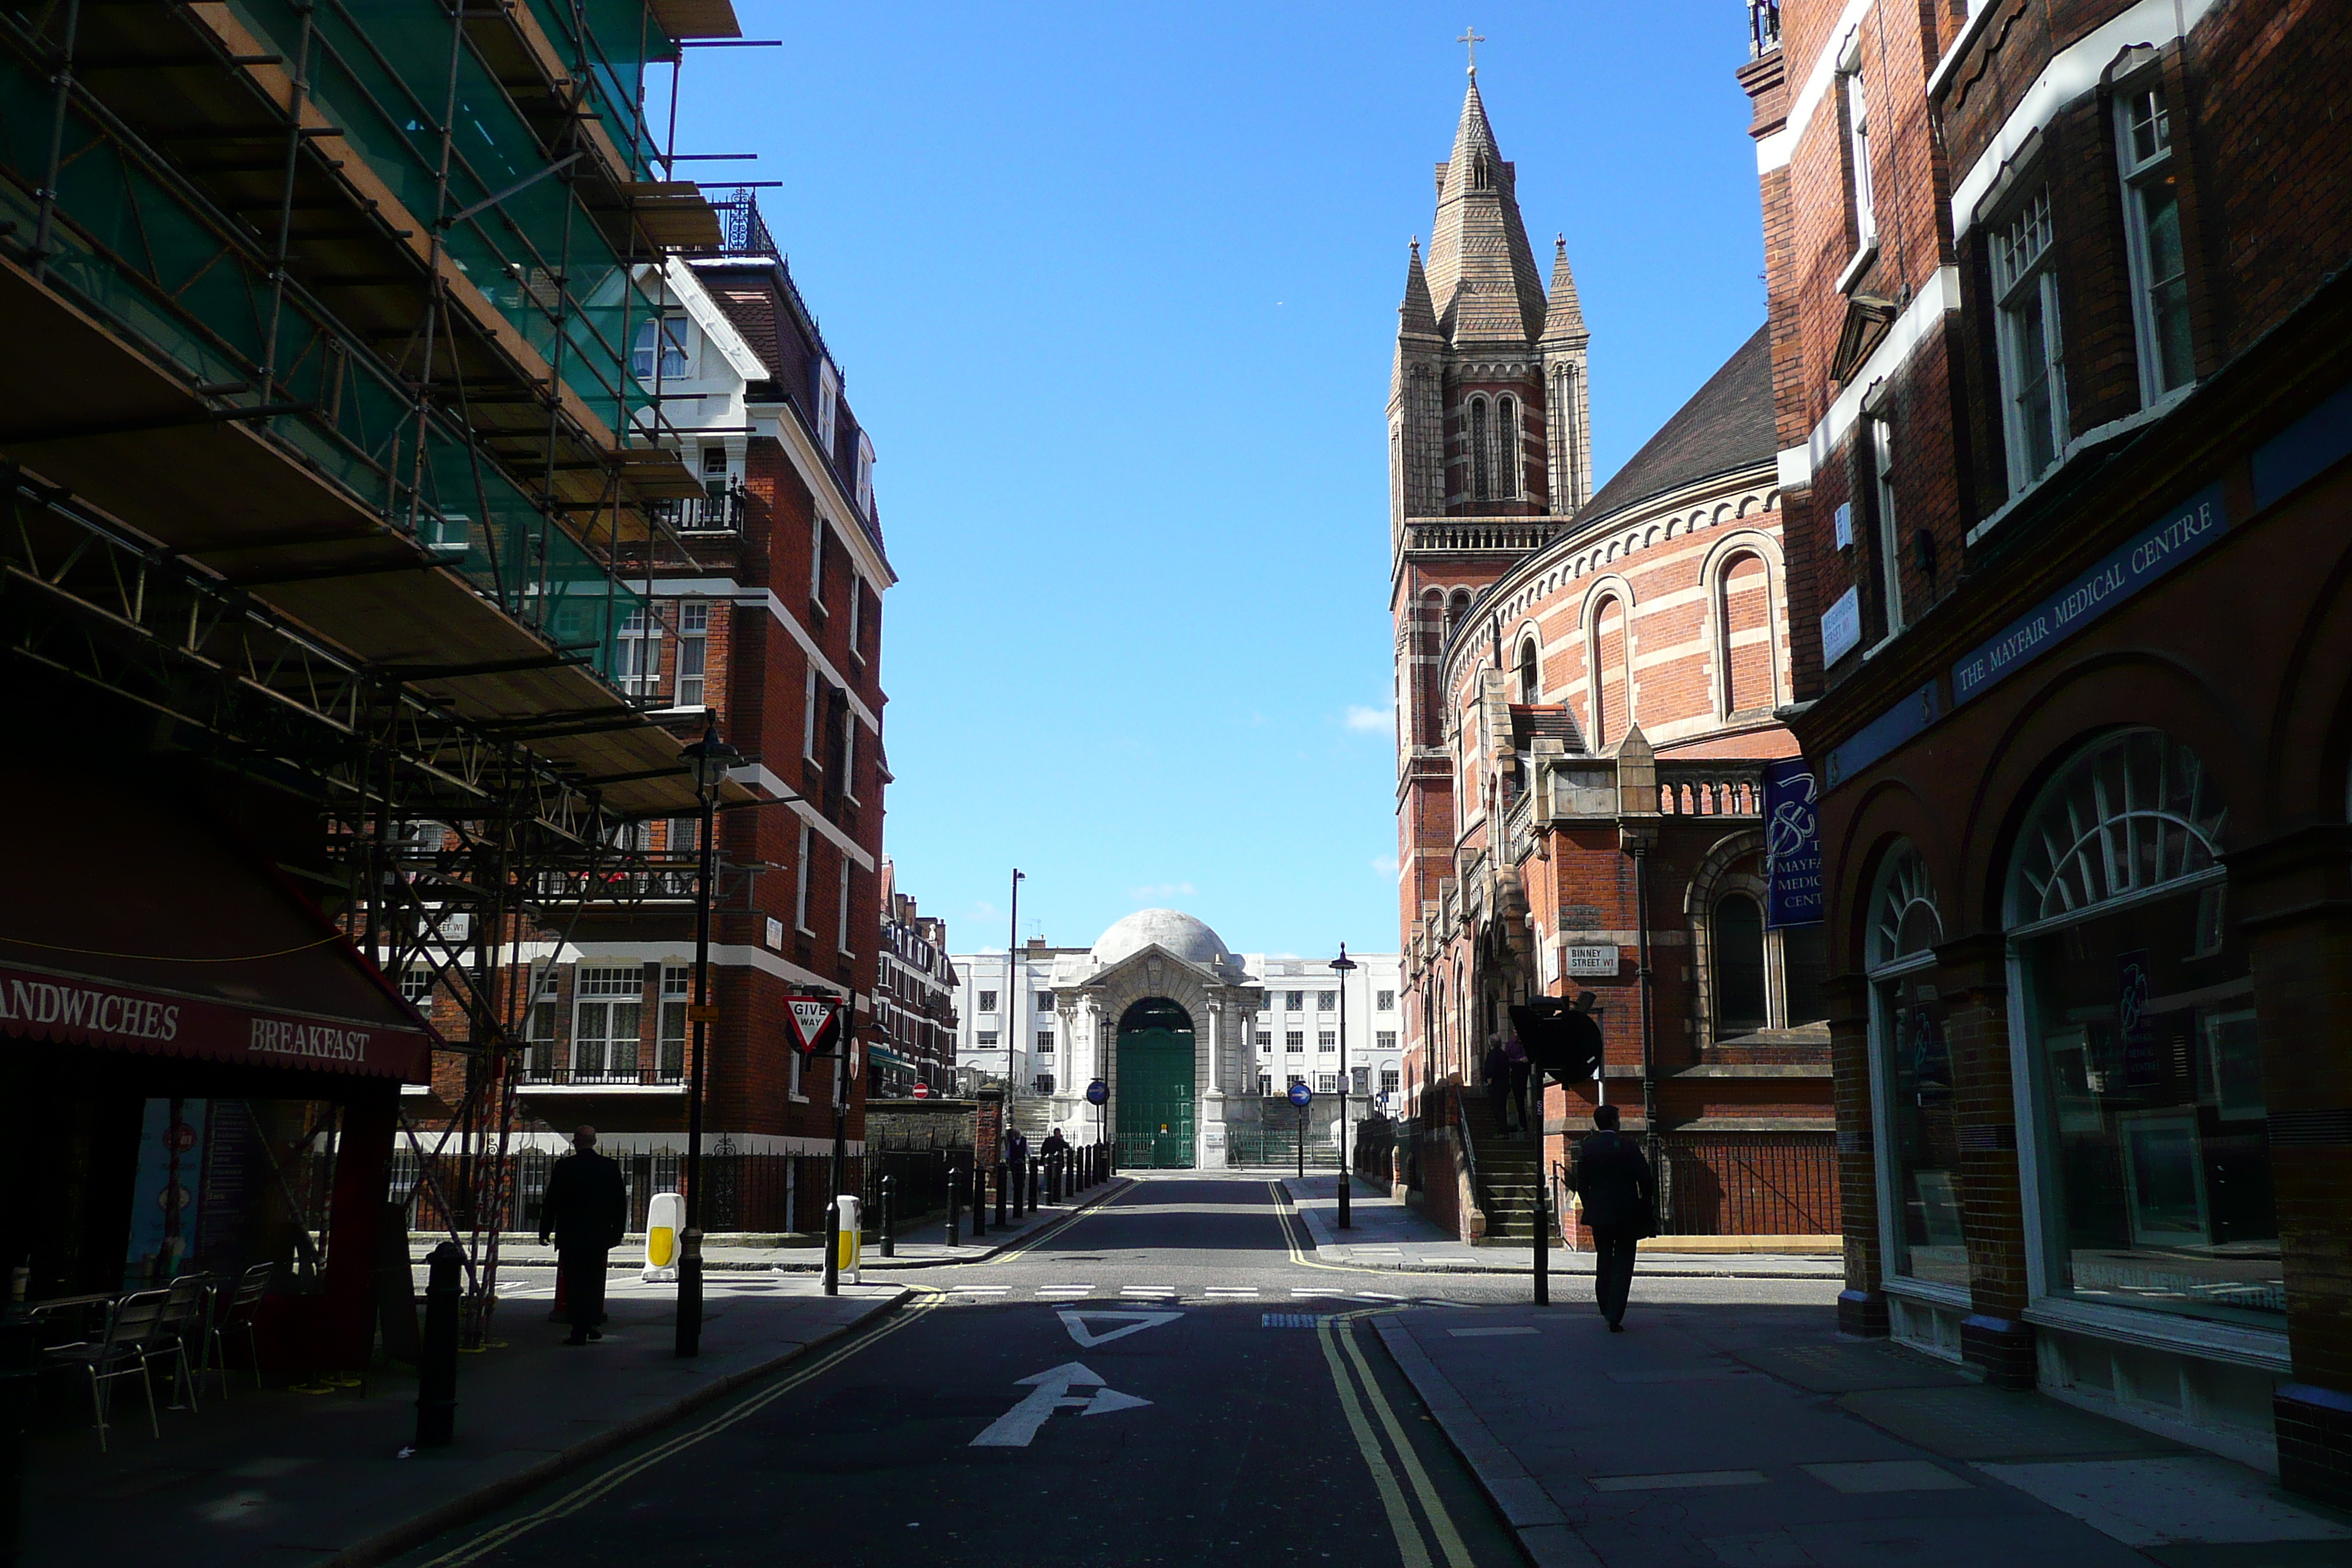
436	1368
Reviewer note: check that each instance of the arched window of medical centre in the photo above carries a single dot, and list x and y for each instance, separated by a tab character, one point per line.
1530	672
1482	453
1507	448
1740	1006
1911	1076
2137	1001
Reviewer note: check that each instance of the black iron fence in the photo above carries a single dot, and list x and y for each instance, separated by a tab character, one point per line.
1749	1183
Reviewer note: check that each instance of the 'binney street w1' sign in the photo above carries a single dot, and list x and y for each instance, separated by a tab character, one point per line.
2151	553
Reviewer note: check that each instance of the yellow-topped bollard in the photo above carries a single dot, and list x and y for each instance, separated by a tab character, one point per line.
848	1241
664	1219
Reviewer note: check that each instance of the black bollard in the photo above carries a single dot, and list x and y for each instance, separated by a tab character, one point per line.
1036	1179
1001	1174
978	1199
689	1293
436	1367
832	1248
889	1236
955	1194
1543	1240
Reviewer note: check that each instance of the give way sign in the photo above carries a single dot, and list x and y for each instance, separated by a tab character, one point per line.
813	1020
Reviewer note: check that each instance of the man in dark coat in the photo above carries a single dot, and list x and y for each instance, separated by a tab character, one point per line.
1619	1192
587	1208
1495	1067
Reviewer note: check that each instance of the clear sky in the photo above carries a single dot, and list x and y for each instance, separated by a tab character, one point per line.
1115	290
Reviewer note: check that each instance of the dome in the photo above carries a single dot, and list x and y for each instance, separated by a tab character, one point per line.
1180	933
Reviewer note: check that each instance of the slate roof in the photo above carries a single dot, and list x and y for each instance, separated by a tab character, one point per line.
1727	425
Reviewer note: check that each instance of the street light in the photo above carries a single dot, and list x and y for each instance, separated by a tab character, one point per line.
709	760
1343	966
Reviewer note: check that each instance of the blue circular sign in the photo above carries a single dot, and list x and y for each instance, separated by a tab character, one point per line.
1098	1093
1300	1094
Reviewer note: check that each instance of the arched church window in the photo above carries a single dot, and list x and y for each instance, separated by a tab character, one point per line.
1506	448
1606	663
2141	1039
1744	653
1455	608
1739	1004
1530	673
1481	457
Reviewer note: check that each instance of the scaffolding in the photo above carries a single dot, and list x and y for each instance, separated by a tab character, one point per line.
338	423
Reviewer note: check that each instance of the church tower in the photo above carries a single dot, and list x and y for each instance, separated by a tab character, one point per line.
1489	456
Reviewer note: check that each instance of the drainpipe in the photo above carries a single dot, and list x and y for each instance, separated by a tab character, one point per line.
1637	834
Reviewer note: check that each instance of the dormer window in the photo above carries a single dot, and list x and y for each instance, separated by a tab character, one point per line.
828	402
864	476
670	332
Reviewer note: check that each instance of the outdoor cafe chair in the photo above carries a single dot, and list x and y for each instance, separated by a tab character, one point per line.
183	1322
119	1351
235	1316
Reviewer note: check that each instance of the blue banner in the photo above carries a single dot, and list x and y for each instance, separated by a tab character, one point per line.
1792	844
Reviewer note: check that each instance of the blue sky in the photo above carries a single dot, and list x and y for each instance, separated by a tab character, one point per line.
1115	289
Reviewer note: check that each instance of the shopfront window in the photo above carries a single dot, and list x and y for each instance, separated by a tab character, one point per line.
2138	1003
1914	1060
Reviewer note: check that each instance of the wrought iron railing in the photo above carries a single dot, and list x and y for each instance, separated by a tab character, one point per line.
717	513
1763	27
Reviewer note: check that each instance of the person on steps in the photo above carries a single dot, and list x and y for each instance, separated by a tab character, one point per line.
1496	1070
587	1208
1515	1058
1619	1192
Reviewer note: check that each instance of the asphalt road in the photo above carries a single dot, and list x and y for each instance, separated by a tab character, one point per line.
1168	1378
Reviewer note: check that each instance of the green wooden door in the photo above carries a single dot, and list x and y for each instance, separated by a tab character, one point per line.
1155	1099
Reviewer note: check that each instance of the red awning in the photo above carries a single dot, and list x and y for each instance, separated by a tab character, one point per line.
130	924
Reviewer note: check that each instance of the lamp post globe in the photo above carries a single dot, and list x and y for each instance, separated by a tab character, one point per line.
1343	966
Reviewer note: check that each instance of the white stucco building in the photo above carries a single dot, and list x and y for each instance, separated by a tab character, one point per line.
1197	1044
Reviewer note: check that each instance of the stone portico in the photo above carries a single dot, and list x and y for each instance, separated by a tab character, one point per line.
1157	956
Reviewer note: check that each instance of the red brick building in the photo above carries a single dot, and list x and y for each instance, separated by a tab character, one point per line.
764	613
2064	386
1585	690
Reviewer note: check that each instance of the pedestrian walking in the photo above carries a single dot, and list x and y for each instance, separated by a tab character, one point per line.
1515	1058
1496	1070
587	1209
1619	1192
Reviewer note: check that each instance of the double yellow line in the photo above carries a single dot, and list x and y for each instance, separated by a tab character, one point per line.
1338	1334
573	1501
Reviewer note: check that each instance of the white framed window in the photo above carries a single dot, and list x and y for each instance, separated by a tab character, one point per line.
856	618
693	653
849	752
637	659
1326	1000
1388	1080
828	406
2160	276
841	934
1264	1044
988	1000
1385	1040
1384	1001
544	1024
1044	1042
816	562
801	886
808	717
1045	1083
416	986
1857	151
1295	1001
1045	1000
2033	388
1881	433
677	991
864	476
986	1038
1327	1083
673	336
1326	1039
608	1007
1294	1040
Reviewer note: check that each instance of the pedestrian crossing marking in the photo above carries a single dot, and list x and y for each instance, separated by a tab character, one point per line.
1288	1319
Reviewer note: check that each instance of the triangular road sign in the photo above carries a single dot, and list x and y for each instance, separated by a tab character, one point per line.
1135	1322
810	1017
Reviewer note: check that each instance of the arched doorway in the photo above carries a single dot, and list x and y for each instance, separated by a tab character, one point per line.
1155	1085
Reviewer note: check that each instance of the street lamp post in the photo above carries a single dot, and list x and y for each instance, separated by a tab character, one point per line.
709	758
1343	966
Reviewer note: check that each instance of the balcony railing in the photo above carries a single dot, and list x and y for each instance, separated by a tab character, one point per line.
1516	535
556	1067
1763	27
1710	789
717	513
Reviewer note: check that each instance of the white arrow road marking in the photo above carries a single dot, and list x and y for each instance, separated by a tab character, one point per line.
1135	1322
1049	1391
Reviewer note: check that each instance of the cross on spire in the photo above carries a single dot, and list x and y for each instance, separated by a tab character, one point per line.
1473	37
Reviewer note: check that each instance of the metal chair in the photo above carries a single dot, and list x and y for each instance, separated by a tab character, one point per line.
184	1319
251	1286
121	1351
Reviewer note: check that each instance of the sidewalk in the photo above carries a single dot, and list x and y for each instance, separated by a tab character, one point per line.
1754	1434
923	1246
1386	1234
274	1474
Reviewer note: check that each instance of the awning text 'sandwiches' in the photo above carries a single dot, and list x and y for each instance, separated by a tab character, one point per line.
85	1012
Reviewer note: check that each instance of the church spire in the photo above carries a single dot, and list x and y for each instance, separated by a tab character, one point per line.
1564	317
1482	273
1416	317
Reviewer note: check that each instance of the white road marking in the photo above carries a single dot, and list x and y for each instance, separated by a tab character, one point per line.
1077	1322
1049	1391
1229	1291
1066	1290
978	1289
1374	1296
1489	1333
1147	1290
